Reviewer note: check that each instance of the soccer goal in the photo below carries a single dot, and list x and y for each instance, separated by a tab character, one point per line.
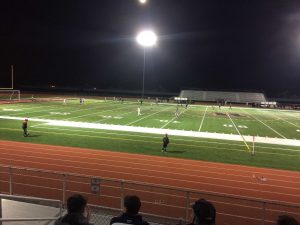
10	95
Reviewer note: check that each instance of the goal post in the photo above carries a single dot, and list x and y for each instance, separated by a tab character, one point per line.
10	95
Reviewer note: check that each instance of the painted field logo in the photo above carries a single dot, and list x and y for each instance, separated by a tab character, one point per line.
163	121
114	117
166	121
59	113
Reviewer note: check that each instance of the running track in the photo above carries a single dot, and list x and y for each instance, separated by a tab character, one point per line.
283	186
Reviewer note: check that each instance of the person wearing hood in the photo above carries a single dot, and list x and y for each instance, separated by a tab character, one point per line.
78	212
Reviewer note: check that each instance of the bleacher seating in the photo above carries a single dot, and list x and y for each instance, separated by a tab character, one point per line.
213	96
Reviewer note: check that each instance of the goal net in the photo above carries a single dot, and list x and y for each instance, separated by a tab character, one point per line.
10	95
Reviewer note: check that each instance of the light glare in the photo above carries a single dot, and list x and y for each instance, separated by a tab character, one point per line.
146	38
143	1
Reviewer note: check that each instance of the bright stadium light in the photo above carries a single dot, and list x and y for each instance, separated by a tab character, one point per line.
146	39
143	1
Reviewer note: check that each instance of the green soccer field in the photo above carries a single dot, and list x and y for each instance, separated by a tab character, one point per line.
199	132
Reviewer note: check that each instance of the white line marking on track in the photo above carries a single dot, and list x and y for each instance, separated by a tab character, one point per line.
119	160
142	175
182	163
150	167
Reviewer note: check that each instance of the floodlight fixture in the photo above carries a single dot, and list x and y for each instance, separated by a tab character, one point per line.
143	1
146	38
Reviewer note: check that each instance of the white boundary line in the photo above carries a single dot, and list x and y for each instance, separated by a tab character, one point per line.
202	119
232	137
265	125
238	131
83	130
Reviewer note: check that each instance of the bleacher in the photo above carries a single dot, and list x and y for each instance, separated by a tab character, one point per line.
215	96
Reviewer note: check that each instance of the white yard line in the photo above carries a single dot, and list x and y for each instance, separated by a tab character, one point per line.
146	117
265	124
232	137
202	119
238	131
40	124
284	120
172	120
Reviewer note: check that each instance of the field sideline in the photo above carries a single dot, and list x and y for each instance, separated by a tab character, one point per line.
199	132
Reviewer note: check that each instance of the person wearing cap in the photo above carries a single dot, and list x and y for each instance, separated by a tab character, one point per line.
204	213
131	215
24	127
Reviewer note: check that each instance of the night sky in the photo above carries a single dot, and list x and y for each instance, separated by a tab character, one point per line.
211	45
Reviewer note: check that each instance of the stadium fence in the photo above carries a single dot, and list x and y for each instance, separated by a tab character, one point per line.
160	204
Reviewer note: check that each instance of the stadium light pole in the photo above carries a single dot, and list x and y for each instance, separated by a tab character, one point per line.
147	39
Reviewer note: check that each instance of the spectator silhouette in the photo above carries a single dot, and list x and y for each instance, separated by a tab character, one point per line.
132	205
286	220
204	213
78	212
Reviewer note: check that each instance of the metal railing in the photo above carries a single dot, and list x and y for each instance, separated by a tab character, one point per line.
157	200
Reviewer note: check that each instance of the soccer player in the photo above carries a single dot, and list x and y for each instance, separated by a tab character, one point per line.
177	112
139	111
24	127
166	141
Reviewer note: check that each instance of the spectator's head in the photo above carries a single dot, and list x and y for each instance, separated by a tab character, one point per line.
286	220
204	212
132	204
76	204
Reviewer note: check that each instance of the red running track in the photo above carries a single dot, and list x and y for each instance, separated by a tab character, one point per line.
280	185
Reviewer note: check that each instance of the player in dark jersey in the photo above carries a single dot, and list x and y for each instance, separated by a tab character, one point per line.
166	141
24	127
